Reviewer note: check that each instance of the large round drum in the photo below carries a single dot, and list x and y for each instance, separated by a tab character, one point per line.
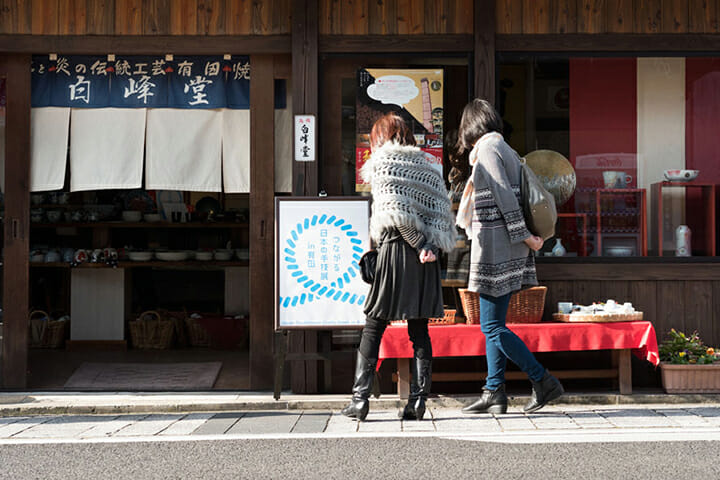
555	172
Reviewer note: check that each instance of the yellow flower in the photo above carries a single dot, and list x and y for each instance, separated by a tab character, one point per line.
710	351
681	354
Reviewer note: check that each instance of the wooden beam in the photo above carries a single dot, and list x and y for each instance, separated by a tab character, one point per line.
305	85
610	42
628	271
304	377
484	50
16	276
395	43
139	44
262	219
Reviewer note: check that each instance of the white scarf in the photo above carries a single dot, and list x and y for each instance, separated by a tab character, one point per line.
407	190
465	209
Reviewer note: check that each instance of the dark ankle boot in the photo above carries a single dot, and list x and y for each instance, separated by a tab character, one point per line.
491	401
364	375
544	391
421	371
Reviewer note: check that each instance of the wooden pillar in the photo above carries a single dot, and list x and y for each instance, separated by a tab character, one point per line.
262	220
16	281
304	378
484	63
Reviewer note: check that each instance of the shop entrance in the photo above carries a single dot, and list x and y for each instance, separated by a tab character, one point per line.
341	140
137	287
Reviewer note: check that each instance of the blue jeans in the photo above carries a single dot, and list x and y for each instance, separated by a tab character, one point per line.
501	343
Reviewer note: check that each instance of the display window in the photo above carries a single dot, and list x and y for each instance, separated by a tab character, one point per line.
624	143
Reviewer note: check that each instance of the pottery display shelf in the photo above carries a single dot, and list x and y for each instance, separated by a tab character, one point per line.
635	229
700	216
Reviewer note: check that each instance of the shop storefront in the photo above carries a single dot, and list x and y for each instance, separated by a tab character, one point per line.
621	95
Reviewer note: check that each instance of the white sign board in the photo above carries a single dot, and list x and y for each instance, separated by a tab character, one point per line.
305	138
318	244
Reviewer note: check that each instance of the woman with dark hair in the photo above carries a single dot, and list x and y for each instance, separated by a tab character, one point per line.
410	221
501	259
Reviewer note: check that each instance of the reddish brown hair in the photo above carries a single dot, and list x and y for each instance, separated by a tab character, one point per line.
391	127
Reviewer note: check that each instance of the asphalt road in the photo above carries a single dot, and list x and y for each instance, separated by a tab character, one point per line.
367	458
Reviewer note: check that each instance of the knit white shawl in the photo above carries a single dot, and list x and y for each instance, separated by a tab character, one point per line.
407	190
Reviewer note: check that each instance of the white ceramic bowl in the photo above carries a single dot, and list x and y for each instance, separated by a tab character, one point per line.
131	216
223	255
171	256
203	256
619	251
242	253
681	175
152	217
54	216
140	256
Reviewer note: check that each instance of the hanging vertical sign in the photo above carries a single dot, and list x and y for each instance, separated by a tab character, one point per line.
197	82
237	82
140	82
319	243
80	81
415	94
305	138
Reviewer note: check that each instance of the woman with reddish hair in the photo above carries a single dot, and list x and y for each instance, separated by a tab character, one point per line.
410	222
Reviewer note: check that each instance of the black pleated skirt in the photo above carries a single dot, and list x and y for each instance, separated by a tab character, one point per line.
403	288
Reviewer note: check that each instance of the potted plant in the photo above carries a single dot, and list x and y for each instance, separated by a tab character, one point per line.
687	365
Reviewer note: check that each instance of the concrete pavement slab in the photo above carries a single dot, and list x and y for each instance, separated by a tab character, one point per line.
552	421
635	418
23	424
264	422
111	424
65	426
150	425
589	419
340	424
452	420
381	421
218	423
187	424
515	421
312	422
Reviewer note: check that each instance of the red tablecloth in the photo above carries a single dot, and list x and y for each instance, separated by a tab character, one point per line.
467	340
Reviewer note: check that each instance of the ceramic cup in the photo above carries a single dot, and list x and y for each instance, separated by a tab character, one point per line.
614	179
81	256
565	307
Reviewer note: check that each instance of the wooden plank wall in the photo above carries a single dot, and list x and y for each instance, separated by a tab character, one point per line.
401	17
607	16
685	305
145	17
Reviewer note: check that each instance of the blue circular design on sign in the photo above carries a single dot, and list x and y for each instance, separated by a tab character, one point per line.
334	290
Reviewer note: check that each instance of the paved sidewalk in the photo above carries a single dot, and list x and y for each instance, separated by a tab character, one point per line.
553	423
56	403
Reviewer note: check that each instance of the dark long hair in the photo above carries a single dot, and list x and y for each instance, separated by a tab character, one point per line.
478	118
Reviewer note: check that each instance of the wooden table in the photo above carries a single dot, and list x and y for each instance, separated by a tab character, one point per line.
462	340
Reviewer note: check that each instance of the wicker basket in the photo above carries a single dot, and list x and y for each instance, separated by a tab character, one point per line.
198	336
46	332
526	306
151	331
449	318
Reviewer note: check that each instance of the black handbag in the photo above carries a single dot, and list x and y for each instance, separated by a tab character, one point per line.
368	264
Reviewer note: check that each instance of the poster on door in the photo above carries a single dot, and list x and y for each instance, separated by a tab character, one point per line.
319	243
415	94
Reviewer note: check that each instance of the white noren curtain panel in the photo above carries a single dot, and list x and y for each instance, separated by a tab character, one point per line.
106	148
284	146
49	128
183	150
236	151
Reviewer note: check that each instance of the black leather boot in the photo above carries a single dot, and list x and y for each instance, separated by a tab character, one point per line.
544	391
421	371
491	401
364	375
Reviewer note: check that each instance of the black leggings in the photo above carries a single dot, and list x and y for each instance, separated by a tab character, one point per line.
373	331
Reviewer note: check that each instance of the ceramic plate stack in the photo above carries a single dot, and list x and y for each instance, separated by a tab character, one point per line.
140	256
170	256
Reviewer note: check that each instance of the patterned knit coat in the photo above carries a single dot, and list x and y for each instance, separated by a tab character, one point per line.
500	262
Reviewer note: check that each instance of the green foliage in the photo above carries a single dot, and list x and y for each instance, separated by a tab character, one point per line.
679	348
